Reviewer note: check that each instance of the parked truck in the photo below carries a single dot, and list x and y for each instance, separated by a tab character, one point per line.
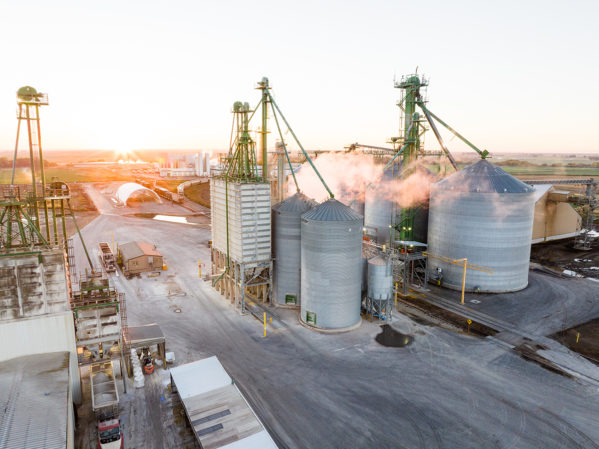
107	257
105	404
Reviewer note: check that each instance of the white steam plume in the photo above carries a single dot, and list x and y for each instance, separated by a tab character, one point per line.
348	176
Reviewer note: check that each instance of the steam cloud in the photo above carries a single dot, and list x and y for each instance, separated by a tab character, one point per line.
348	176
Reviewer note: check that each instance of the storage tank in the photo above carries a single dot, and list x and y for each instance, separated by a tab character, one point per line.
286	217
485	215
378	208
380	279
331	266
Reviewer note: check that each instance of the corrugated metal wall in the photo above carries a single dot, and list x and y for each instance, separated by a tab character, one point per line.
29	287
249	211
286	248
331	263
47	333
485	215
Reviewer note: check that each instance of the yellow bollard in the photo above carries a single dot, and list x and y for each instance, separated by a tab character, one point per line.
264	324
464	280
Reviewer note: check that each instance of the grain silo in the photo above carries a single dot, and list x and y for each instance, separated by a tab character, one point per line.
380	287
378	209
286	247
331	266
485	215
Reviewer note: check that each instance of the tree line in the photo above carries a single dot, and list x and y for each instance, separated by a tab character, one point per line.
24	162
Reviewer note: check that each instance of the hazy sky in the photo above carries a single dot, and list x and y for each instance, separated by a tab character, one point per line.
510	75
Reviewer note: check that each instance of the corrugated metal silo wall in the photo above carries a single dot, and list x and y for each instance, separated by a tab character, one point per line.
490	229
249	218
331	272
364	273
377	211
380	280
286	245
421	222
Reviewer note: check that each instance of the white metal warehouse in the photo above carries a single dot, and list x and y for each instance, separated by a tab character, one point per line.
36	402
217	411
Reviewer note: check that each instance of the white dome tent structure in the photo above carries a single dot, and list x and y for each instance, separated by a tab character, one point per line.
136	192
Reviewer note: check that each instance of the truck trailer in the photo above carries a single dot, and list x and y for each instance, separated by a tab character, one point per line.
105	404
107	257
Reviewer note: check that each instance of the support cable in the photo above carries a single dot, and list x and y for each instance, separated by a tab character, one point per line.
438	136
285	149
483	154
272	100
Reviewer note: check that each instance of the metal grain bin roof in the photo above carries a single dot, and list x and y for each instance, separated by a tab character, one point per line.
298	203
483	177
332	210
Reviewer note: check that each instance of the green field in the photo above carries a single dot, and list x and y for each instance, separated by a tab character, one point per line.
95	174
557	171
67	174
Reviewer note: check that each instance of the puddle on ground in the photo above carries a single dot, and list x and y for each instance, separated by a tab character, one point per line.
390	337
172	219
169	218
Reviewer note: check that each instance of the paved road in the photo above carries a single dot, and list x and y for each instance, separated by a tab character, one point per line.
546	306
445	390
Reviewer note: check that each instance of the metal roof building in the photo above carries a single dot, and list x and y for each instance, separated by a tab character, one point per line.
483	177
554	217
139	257
36	402
218	413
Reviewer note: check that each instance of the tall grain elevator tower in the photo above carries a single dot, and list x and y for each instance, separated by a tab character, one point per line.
240	200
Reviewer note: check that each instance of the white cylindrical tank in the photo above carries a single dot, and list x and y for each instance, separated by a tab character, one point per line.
380	279
378	208
286	218
485	215
331	266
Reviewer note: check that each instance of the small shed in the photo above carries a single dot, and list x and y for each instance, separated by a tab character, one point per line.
139	257
147	336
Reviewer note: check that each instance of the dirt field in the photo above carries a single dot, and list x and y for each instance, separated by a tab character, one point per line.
588	339
561	256
199	193
80	200
169	184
